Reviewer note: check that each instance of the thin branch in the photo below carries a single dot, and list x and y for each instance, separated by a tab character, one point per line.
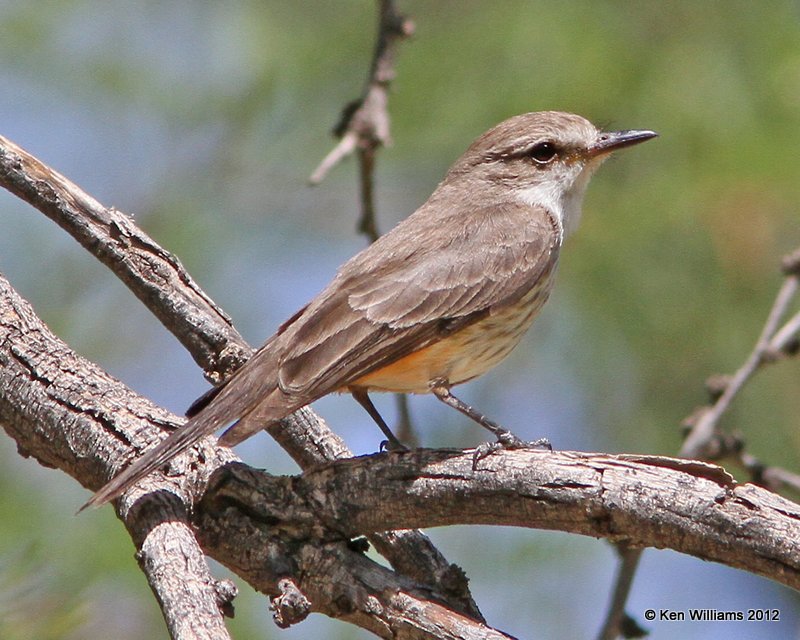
773	478
617	618
772	340
704	439
365	122
367	224
365	127
785	339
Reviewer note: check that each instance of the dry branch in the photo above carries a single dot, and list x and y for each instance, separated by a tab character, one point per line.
69	414
154	275
364	123
704	439
653	501
365	127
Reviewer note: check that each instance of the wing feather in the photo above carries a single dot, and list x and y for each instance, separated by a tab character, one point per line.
378	310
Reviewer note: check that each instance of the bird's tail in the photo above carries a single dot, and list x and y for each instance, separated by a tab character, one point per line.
251	397
203	424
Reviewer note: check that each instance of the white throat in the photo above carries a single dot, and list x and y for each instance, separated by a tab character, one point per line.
565	204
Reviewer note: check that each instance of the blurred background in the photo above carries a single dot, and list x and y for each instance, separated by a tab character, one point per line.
204	121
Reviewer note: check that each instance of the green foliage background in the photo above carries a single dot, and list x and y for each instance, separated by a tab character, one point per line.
204	120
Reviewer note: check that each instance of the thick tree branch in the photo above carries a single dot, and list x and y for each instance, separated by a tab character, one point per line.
69	414
192	600
154	275
78	422
692	507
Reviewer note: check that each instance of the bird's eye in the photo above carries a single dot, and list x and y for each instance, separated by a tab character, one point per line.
543	152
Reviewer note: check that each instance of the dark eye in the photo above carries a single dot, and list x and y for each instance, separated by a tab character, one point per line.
543	152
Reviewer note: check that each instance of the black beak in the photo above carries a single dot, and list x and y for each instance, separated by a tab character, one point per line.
612	140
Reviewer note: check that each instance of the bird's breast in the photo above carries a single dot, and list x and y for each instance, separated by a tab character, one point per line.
465	354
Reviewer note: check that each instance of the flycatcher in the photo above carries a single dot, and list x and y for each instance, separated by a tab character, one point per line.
439	300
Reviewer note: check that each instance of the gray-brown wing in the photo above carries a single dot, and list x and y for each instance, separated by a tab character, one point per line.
424	284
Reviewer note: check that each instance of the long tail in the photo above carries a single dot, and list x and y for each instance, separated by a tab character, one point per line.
203	424
251	397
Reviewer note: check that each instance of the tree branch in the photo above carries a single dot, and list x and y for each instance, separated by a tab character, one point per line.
703	438
617	619
364	124
69	414
154	275
269	529
365	127
692	507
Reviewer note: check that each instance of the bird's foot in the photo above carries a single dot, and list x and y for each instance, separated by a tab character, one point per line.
392	445
507	440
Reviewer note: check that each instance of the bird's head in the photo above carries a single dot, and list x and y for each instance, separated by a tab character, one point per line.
542	159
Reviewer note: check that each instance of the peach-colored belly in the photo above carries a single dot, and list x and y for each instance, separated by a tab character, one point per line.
461	356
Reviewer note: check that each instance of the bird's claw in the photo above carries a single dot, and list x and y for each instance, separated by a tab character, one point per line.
507	440
388	445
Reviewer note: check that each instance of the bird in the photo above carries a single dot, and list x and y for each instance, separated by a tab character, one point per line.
437	301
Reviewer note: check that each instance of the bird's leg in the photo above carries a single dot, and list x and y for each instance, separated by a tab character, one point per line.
392	443
505	439
503	435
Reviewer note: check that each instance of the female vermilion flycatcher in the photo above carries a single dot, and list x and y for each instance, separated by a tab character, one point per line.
439	300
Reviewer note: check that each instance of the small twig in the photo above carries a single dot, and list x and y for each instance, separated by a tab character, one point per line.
345	147
773	478
703	426
366	223
617	619
365	122
404	429
785	339
291	606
